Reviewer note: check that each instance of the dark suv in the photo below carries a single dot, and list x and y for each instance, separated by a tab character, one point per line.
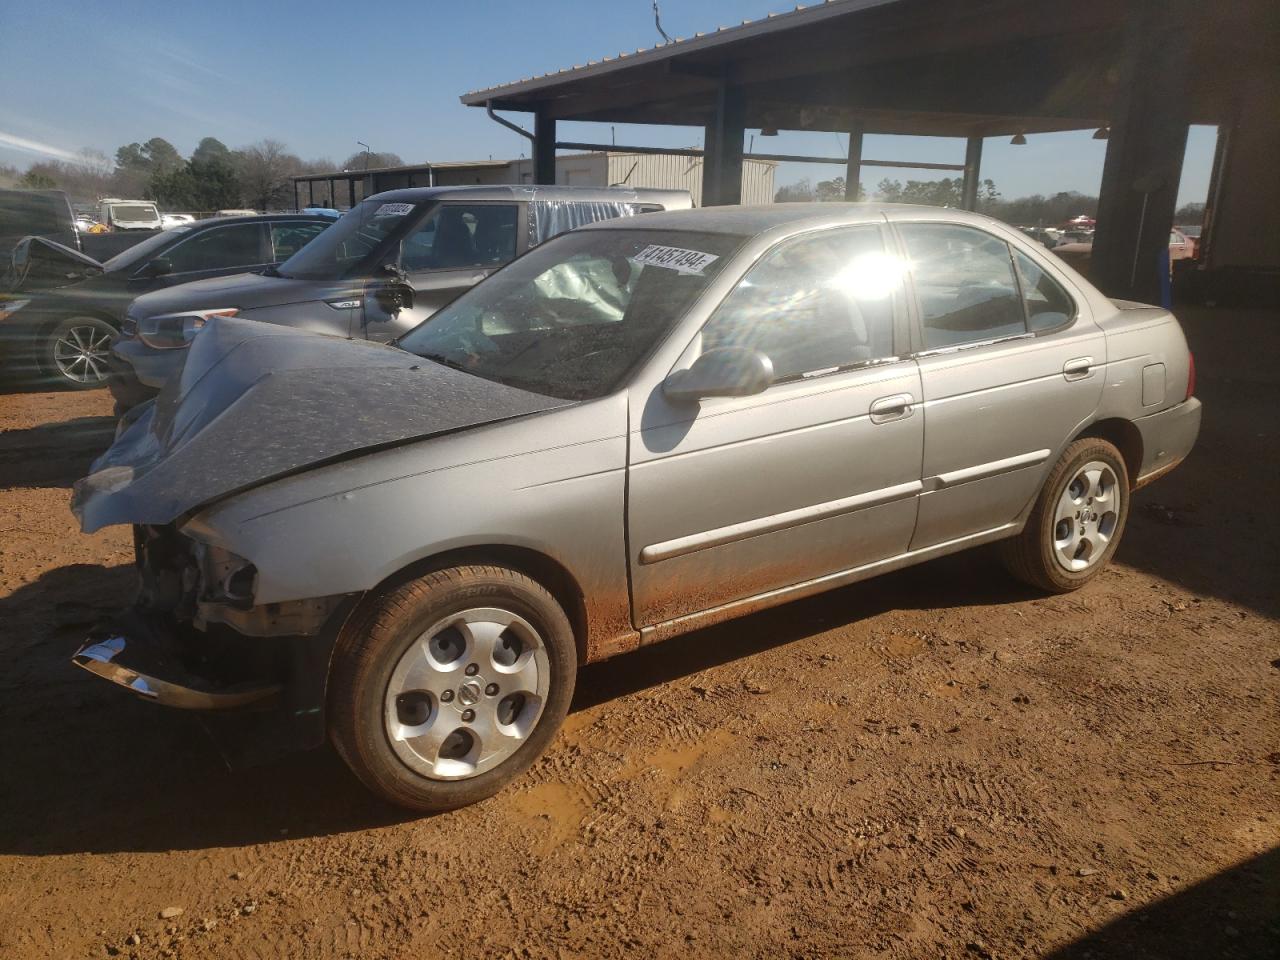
388	264
64	331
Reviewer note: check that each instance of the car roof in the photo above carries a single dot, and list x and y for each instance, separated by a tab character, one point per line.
515	191
791	217
257	218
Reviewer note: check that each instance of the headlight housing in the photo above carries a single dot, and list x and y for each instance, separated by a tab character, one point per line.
9	307
174	331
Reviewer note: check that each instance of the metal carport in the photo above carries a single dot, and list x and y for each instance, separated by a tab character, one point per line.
962	68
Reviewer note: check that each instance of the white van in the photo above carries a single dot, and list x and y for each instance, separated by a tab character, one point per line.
129	214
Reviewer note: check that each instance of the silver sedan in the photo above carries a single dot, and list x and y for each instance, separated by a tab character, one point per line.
637	429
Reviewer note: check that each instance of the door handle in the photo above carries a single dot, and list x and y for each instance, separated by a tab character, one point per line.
1078	369
895	407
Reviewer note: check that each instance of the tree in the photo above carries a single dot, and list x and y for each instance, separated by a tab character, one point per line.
36	179
799	192
371	161
265	168
1190	213
211	150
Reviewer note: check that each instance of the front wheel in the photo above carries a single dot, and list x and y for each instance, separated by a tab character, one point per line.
75	351
446	688
1076	523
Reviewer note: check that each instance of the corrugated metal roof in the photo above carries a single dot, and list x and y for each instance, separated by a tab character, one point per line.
802	15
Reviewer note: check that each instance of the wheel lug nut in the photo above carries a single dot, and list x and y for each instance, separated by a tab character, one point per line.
491	689
468	716
471	670
446	696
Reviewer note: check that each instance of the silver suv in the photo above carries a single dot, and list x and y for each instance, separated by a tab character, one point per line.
388	264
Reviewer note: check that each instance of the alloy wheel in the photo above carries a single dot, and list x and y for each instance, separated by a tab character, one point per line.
81	352
1087	514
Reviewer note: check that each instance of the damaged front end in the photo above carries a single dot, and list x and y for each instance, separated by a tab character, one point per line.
195	639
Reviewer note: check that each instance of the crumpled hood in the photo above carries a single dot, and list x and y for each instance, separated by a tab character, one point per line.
38	263
256	401
247	291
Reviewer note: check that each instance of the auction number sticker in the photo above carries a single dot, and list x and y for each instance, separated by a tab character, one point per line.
393	210
676	258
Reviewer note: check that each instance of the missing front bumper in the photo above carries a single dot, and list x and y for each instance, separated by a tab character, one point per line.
135	664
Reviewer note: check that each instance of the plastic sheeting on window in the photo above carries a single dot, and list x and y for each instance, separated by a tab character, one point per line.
547	218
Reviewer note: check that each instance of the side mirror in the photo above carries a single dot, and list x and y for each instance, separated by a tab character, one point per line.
393	297
159	267
722	372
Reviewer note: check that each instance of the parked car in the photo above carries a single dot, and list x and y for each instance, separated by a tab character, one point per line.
1192	232
129	214
86	224
170	220
68	307
38	213
639	428
430	244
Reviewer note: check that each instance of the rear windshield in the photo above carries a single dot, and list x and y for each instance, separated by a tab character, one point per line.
23	213
573	317
351	244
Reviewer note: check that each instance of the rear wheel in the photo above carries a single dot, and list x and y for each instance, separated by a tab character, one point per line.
75	351
1077	521
448	687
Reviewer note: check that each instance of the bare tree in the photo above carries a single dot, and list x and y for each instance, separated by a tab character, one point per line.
265	168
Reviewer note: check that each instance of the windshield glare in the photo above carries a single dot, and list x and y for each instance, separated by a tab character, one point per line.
573	317
342	248
133	212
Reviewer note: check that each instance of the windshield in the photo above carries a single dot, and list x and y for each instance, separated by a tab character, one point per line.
574	316
133	212
346	245
144	251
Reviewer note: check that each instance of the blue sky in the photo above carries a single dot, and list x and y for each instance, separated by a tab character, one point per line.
321	76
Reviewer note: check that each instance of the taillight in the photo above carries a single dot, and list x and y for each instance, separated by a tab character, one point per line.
1191	375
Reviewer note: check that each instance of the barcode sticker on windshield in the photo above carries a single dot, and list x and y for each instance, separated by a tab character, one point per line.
676	258
393	210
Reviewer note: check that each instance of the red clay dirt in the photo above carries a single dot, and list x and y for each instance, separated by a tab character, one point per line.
938	763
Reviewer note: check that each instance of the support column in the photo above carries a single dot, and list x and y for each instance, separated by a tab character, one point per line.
1143	167
972	168
853	170
722	148
351	190
311	193
333	192
544	149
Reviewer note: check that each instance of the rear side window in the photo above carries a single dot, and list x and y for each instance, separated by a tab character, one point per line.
814	305
1048	305
548	218
288	238
221	248
23	213
964	283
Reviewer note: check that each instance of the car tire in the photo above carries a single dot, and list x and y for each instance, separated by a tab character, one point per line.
74	352
402	684
1076	522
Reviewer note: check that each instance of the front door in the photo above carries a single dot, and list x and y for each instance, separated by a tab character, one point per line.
1010	367
732	497
454	247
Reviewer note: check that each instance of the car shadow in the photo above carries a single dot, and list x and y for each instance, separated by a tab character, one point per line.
1208	526
91	769
53	454
1233	914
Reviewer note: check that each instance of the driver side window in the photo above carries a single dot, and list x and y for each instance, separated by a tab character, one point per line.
462	235
814	305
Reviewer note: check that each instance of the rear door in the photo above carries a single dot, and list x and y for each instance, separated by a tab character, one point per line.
455	246
1010	365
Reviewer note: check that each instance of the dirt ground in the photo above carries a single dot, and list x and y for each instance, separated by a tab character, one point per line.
937	763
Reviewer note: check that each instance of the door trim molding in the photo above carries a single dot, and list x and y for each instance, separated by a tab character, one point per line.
682	546
981	471
773	598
